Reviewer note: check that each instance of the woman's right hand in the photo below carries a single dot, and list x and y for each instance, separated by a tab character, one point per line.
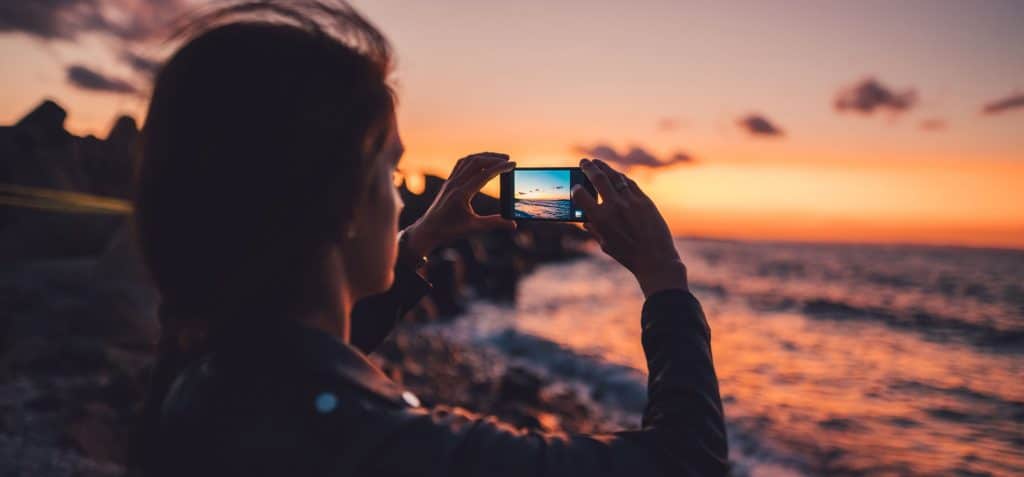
629	228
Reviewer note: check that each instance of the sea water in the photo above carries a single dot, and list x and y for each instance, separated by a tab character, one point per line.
832	359
542	209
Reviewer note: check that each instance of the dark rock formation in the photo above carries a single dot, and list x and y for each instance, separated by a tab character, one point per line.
37	152
109	163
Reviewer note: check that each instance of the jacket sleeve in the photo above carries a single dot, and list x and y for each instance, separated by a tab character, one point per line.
682	433
374	317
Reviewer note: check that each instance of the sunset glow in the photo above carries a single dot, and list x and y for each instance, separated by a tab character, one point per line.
769	110
828	278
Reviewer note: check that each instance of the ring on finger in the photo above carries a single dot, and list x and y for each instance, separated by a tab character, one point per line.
620	185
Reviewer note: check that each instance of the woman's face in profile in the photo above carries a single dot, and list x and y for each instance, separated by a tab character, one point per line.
371	252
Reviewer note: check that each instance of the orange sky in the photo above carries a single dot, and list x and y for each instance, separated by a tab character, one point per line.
540	79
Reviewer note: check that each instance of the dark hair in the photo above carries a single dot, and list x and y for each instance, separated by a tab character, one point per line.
255	154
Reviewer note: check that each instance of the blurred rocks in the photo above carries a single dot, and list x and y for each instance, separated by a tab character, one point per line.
38	152
440	371
520	385
78	314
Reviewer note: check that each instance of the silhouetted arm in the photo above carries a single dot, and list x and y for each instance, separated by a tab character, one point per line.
374	317
684	408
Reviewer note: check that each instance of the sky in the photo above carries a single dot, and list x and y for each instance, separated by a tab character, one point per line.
542	184
821	121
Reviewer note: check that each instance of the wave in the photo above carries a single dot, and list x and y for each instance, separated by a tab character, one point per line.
617	393
984	334
542	209
608	383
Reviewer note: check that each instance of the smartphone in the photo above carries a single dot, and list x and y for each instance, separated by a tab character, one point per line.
543	193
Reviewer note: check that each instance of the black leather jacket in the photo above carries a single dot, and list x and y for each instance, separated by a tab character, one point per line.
287	400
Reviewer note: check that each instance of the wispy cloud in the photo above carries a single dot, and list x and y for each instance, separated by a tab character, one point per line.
669	124
67	19
1014	101
636	156
869	95
758	125
127	22
51	19
85	78
139	63
933	124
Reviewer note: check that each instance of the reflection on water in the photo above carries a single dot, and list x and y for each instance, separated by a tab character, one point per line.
832	359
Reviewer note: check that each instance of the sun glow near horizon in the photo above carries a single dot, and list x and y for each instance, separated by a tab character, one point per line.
926	149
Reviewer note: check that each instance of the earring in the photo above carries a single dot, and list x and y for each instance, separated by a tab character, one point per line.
351	232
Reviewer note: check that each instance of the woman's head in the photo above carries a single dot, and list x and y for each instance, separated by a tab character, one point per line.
267	156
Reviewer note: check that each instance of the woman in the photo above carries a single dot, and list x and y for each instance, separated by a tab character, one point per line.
267	216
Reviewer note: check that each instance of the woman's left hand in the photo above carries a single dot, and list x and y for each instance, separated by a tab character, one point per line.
451	216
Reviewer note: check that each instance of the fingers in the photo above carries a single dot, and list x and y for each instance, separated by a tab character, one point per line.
584	201
600	179
632	186
620	182
472	164
476	180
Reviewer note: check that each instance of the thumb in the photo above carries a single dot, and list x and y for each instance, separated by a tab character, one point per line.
584	200
493	222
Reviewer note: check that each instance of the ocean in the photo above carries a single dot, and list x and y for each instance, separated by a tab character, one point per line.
542	209
832	359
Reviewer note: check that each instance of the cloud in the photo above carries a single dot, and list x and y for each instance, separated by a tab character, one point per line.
1014	101
66	19
869	95
127	22
50	19
758	125
637	156
669	124
140	63
85	78
933	124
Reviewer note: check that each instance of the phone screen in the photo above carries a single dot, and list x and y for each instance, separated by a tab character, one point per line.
543	194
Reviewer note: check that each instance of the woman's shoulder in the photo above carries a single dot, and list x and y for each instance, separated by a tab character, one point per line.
220	418
300	389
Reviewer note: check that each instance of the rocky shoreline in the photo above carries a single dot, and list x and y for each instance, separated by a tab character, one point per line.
79	325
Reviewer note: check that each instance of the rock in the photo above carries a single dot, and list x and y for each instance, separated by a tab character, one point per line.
45	123
37	152
95	433
62	358
109	163
520	416
520	385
